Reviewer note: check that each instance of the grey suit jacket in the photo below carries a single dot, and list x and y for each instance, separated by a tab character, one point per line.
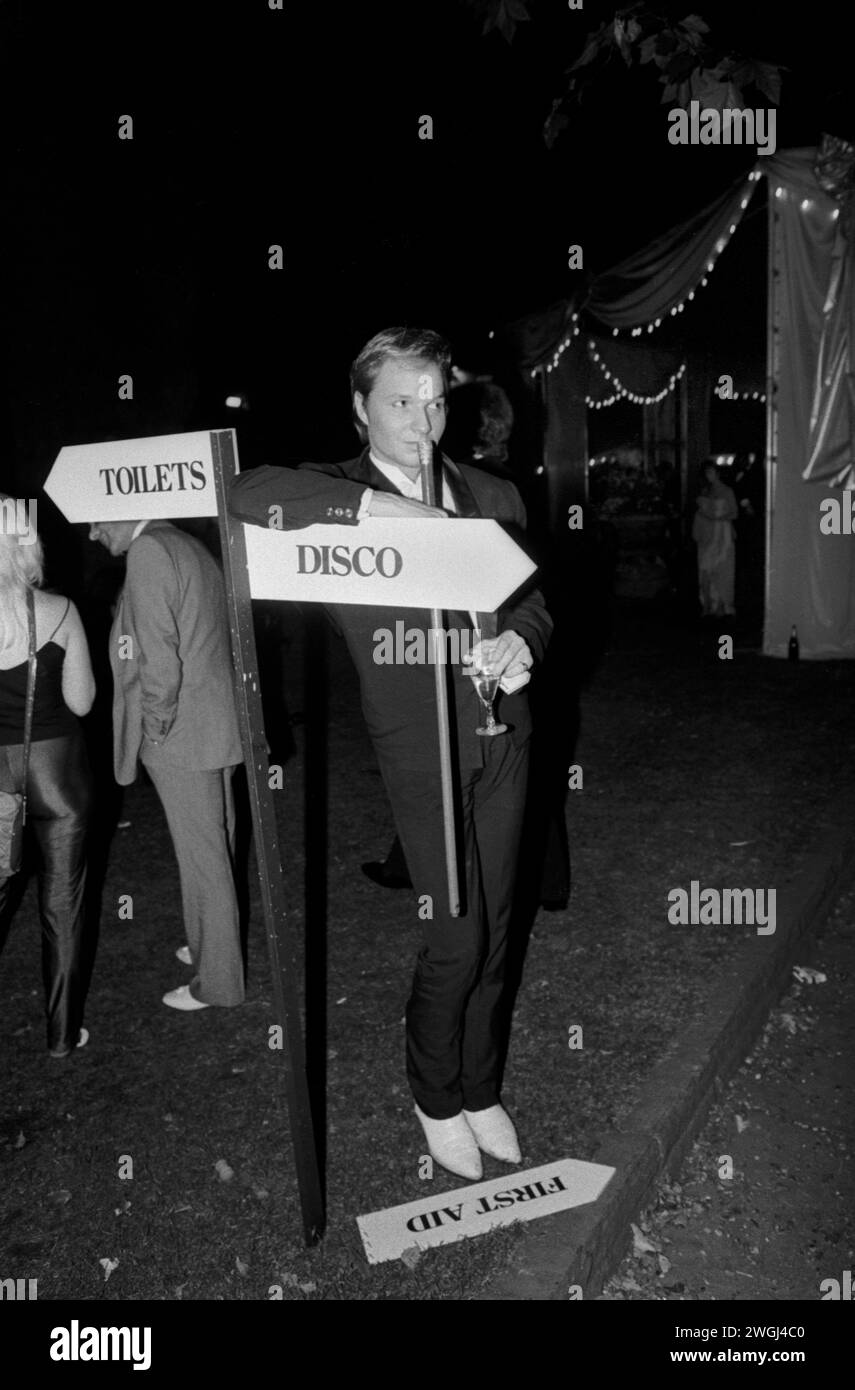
173	679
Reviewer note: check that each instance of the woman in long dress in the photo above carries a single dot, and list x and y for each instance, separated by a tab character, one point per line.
713	530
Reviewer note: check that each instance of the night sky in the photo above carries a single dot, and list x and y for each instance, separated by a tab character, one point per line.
300	127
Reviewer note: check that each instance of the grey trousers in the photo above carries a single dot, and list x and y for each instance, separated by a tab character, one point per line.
200	812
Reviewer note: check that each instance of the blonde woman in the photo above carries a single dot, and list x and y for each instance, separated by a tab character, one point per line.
59	782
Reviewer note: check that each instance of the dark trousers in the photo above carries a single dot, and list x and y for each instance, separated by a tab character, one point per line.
59	792
455	1019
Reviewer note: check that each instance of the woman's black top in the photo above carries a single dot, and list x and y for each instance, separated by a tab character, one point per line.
51	716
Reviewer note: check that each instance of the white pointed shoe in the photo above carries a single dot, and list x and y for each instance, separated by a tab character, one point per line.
450	1142
181	998
183	954
494	1132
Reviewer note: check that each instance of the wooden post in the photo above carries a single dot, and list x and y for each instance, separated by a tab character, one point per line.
283	965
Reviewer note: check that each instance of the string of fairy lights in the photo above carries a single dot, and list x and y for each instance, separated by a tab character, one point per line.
574	332
622	392
619	391
720	246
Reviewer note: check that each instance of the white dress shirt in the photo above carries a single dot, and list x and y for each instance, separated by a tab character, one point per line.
408	487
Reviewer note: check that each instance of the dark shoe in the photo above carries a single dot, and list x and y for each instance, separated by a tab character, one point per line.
554	904
82	1040
378	873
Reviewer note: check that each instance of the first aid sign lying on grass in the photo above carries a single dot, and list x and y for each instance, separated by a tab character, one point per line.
441	1218
165	475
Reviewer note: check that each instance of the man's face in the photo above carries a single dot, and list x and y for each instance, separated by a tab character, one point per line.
115	536
405	405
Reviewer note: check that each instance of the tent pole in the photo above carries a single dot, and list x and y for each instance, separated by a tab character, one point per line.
683	388
772	369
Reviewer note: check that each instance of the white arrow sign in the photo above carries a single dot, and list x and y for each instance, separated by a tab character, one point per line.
462	564
166	475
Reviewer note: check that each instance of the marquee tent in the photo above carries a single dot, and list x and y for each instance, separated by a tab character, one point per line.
602	345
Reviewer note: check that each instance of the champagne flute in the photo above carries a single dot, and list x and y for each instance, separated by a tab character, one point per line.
486	684
484	677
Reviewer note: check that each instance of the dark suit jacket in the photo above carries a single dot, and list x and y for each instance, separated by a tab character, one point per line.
172	675
398	701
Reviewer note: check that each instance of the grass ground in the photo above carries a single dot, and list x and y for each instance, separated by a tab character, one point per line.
783	1222
694	768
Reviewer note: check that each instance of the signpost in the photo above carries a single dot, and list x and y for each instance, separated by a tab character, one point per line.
167	476
455	564
283	964
186	475
461	564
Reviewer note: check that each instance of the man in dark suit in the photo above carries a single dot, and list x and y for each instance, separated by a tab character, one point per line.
174	711
455	1023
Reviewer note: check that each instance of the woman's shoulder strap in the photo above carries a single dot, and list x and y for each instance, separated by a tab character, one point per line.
62	619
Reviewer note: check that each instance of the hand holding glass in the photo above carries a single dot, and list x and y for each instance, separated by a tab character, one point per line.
486	683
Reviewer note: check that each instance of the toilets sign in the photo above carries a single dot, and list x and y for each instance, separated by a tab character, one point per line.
462	563
167	475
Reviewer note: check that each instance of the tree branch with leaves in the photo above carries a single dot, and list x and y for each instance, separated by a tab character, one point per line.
692	64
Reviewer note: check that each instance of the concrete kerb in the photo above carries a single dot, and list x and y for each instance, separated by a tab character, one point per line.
584	1246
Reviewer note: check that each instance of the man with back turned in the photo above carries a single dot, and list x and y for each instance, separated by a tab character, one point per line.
455	1028
174	712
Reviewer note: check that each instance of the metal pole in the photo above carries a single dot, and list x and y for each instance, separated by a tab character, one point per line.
439	671
283	965
683	388
772	369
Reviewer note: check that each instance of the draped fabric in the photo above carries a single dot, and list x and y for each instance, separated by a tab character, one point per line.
534	338
810	575
656	279
832	418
